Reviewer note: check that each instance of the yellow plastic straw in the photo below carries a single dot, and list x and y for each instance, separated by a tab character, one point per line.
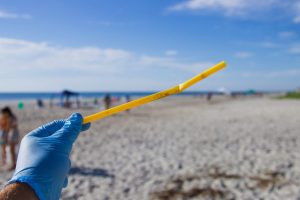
174	90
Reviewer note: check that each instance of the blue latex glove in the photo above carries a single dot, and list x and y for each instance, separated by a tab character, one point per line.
43	160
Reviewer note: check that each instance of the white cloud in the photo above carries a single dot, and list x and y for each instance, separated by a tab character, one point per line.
295	49
9	15
297	10
173	63
285	73
286	34
243	54
246	8
171	52
23	63
21	54
297	19
230	7
17	54
269	45
40	66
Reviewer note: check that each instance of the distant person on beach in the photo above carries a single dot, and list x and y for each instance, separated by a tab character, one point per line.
209	96
39	103
107	101
51	101
127	97
96	101
9	135
43	162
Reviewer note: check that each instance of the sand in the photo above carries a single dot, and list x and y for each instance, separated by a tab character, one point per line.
185	148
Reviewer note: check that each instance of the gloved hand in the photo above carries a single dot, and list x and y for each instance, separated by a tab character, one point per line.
43	161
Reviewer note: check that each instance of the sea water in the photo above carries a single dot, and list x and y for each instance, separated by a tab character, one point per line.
55	95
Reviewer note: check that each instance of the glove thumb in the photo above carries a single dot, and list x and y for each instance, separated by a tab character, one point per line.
71	128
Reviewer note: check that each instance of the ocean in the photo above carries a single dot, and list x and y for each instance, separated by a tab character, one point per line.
52	95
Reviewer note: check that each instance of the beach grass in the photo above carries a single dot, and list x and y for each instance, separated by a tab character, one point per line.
291	95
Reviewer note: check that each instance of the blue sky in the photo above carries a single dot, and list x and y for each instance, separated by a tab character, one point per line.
135	45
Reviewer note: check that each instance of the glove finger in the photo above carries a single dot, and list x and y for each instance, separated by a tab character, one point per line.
47	129
85	126
71	128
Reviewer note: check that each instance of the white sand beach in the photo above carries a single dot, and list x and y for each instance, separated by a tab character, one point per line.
184	148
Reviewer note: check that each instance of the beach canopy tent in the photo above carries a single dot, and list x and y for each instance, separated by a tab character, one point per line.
66	96
250	92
